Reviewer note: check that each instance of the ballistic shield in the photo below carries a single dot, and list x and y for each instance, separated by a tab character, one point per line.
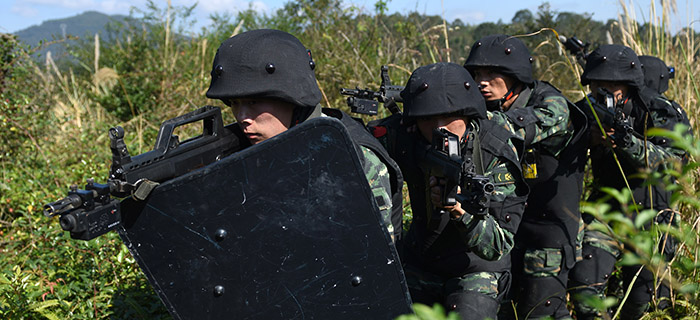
285	229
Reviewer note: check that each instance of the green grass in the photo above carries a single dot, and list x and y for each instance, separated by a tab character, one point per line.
54	120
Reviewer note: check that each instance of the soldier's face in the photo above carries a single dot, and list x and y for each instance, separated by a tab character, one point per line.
262	119
618	89
493	85
454	124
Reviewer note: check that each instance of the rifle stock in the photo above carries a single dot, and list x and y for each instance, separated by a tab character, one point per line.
90	212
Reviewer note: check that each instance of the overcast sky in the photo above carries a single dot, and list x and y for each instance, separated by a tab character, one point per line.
16	15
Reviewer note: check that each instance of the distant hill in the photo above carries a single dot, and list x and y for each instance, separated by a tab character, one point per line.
83	25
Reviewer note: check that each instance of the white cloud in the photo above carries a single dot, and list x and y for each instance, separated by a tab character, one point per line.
114	6
105	6
211	6
24	11
71	4
468	17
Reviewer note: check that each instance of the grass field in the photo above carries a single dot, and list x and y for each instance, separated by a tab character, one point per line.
54	118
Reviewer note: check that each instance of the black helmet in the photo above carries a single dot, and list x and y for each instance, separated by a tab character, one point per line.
613	62
656	73
442	88
507	54
264	63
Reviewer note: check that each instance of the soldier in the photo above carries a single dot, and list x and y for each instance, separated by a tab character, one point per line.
267	78
656	73
614	74
657	76
455	255
553	160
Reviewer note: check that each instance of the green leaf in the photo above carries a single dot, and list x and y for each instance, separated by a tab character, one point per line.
38	306
620	218
623	196
630	259
424	312
598	226
50	315
690	288
4	280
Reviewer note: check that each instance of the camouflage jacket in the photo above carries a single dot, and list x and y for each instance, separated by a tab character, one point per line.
432	235
553	160
377	175
655	154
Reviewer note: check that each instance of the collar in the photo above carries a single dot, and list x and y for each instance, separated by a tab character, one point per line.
522	99
302	114
497	105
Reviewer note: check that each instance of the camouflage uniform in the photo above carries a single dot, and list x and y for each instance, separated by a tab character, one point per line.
461	263
548	242
379	180
656	77
552	156
646	109
552	129
600	251
471	256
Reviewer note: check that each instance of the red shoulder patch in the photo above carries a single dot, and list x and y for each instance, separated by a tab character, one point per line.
378	132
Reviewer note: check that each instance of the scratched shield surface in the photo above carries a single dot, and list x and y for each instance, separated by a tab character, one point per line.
286	229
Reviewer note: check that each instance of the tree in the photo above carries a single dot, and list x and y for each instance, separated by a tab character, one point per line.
8	43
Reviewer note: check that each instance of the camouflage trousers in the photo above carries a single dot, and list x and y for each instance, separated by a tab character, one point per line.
473	295
540	277
589	278
539	281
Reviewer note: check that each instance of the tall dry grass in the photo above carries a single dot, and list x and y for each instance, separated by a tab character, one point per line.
153	73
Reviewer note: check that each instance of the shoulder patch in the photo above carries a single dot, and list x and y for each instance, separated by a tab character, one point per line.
503	178
378	131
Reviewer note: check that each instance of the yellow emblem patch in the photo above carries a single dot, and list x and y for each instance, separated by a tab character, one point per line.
530	171
530	164
503	178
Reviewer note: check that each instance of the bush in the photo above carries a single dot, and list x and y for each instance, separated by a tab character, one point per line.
53	124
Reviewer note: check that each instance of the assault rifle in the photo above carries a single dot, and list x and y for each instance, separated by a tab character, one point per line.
90	212
444	161
365	101
613	115
577	47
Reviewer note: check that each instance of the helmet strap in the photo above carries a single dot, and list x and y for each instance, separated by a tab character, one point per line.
497	105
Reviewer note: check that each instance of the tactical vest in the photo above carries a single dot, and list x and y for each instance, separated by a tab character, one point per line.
362	137
607	174
442	251
551	218
680	116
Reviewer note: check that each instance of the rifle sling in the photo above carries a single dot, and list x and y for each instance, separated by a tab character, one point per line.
476	153
529	136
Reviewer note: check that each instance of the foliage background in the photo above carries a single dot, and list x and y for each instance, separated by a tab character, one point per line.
54	114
